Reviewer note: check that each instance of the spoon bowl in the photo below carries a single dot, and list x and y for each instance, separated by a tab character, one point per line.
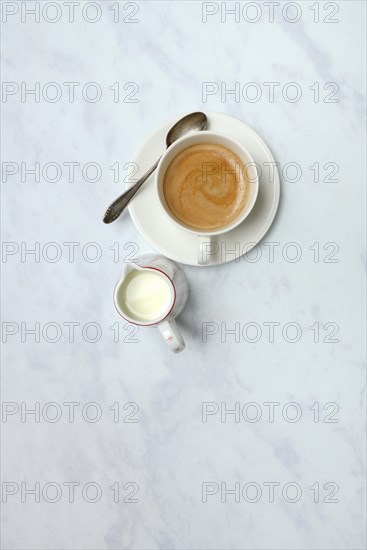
194	122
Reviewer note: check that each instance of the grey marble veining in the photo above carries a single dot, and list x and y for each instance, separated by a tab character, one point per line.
165	458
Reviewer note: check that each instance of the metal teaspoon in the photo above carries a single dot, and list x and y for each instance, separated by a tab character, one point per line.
194	122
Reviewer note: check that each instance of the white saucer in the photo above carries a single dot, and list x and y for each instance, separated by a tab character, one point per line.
177	244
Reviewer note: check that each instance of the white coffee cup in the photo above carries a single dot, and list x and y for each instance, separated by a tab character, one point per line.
205	237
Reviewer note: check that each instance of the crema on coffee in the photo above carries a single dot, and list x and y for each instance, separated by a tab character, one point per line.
206	187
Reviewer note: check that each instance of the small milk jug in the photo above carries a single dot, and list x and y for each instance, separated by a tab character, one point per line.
152	292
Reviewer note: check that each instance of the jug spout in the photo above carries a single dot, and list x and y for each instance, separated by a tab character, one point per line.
130	267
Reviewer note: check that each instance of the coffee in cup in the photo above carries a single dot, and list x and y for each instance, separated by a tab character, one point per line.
206	186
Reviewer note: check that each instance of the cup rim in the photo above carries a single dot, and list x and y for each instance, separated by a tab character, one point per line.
156	321
254	181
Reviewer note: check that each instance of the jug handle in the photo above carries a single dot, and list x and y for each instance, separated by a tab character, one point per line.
172	335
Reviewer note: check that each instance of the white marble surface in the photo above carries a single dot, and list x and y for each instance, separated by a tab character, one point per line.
170	452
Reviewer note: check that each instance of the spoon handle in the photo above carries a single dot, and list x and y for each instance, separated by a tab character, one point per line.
118	205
